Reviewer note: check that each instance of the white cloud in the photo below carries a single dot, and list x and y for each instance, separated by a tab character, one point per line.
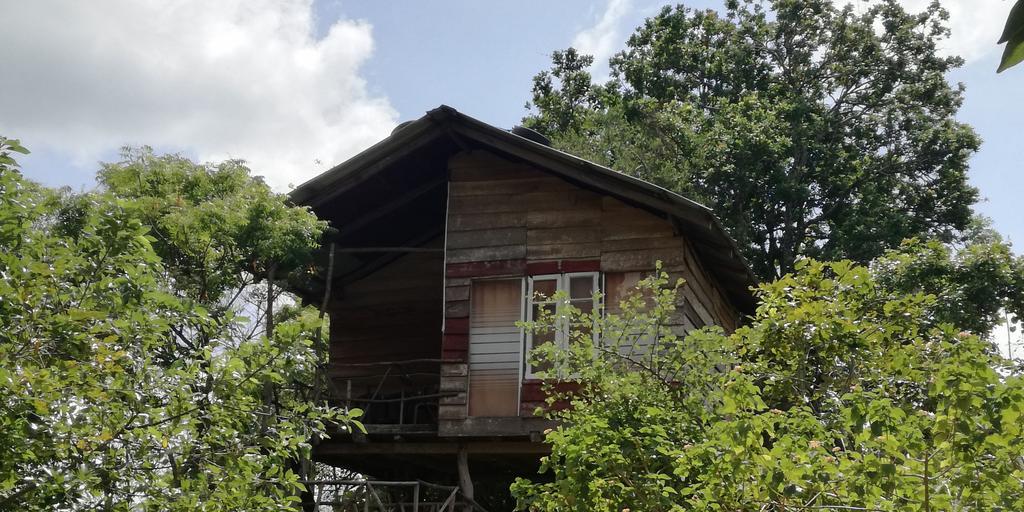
603	39
231	78
975	25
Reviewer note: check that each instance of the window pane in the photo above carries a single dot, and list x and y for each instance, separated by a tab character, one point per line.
546	335
586	306
540	337
545	287
581	287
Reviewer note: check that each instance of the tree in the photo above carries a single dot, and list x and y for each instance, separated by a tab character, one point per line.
129	379
840	394
978	285
810	129
216	227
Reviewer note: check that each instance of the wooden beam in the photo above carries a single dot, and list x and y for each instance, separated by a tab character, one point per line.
516	426
339	447
389	207
720	256
402	430
389	249
364	165
728	272
378	263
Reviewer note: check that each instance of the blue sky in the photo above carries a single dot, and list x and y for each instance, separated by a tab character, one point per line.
479	57
295	86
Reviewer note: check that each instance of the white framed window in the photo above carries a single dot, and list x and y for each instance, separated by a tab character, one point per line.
579	288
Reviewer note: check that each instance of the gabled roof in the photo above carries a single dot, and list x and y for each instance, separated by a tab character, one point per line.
446	129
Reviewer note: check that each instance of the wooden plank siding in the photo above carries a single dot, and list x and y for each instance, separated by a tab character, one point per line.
508	219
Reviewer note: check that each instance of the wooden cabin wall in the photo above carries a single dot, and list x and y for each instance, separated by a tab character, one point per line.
393	314
508	219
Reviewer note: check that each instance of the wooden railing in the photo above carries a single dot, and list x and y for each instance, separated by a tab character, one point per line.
390	392
387	496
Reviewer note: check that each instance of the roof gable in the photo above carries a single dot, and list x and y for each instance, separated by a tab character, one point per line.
446	130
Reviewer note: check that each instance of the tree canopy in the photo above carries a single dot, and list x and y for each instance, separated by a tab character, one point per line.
979	286
864	384
130	378
810	129
840	394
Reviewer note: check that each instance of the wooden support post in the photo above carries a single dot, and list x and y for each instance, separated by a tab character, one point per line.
401	409
320	378
465	481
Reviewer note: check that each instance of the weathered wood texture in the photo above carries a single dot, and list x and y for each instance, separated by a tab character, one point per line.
393	314
508	219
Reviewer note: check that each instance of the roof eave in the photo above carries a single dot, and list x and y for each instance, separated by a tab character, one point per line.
322	187
445	120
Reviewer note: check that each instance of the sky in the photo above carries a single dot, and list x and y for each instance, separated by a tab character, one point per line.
297	86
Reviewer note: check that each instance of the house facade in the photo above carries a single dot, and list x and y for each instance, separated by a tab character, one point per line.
442	236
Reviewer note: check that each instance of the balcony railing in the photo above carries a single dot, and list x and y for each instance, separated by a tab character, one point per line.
360	495
390	392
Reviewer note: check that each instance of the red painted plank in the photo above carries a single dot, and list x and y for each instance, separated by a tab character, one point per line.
456	326
455	342
581	265
533	390
536	268
486	268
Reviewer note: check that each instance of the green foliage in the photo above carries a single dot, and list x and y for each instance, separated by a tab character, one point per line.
810	129
214	224
567	103
14	190
8	146
978	286
840	394
1013	36
128	378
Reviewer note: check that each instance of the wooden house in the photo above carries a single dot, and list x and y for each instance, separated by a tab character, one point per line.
442	231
